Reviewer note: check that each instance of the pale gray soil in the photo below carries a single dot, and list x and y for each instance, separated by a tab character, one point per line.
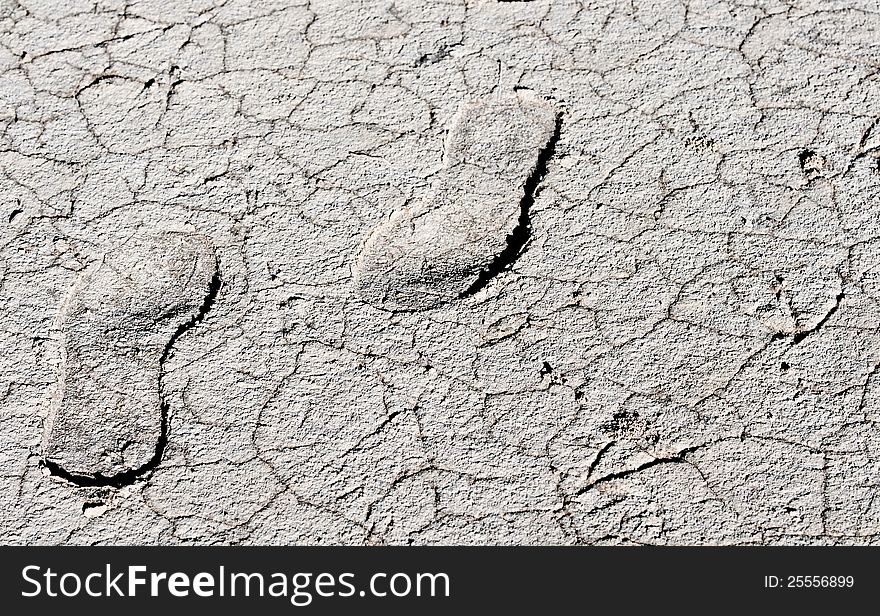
439	271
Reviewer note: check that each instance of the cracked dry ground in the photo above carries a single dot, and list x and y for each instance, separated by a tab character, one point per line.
685	350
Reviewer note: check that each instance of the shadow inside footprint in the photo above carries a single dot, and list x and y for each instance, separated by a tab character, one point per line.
476	222
107	423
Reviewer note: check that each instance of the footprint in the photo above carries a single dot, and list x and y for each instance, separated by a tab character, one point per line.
476	223
106	423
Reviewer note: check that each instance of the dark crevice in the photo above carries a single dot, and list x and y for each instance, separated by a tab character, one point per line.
804	156
434	57
120	480
522	233
799	337
812	164
599	455
678	458
92	505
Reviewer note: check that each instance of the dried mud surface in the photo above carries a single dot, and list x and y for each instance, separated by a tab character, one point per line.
666	333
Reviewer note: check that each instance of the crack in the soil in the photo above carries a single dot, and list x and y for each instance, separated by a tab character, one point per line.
800	336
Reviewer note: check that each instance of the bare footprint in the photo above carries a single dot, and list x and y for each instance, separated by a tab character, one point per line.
107	418
476	223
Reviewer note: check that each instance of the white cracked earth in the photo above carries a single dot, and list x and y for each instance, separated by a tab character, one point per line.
439	272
